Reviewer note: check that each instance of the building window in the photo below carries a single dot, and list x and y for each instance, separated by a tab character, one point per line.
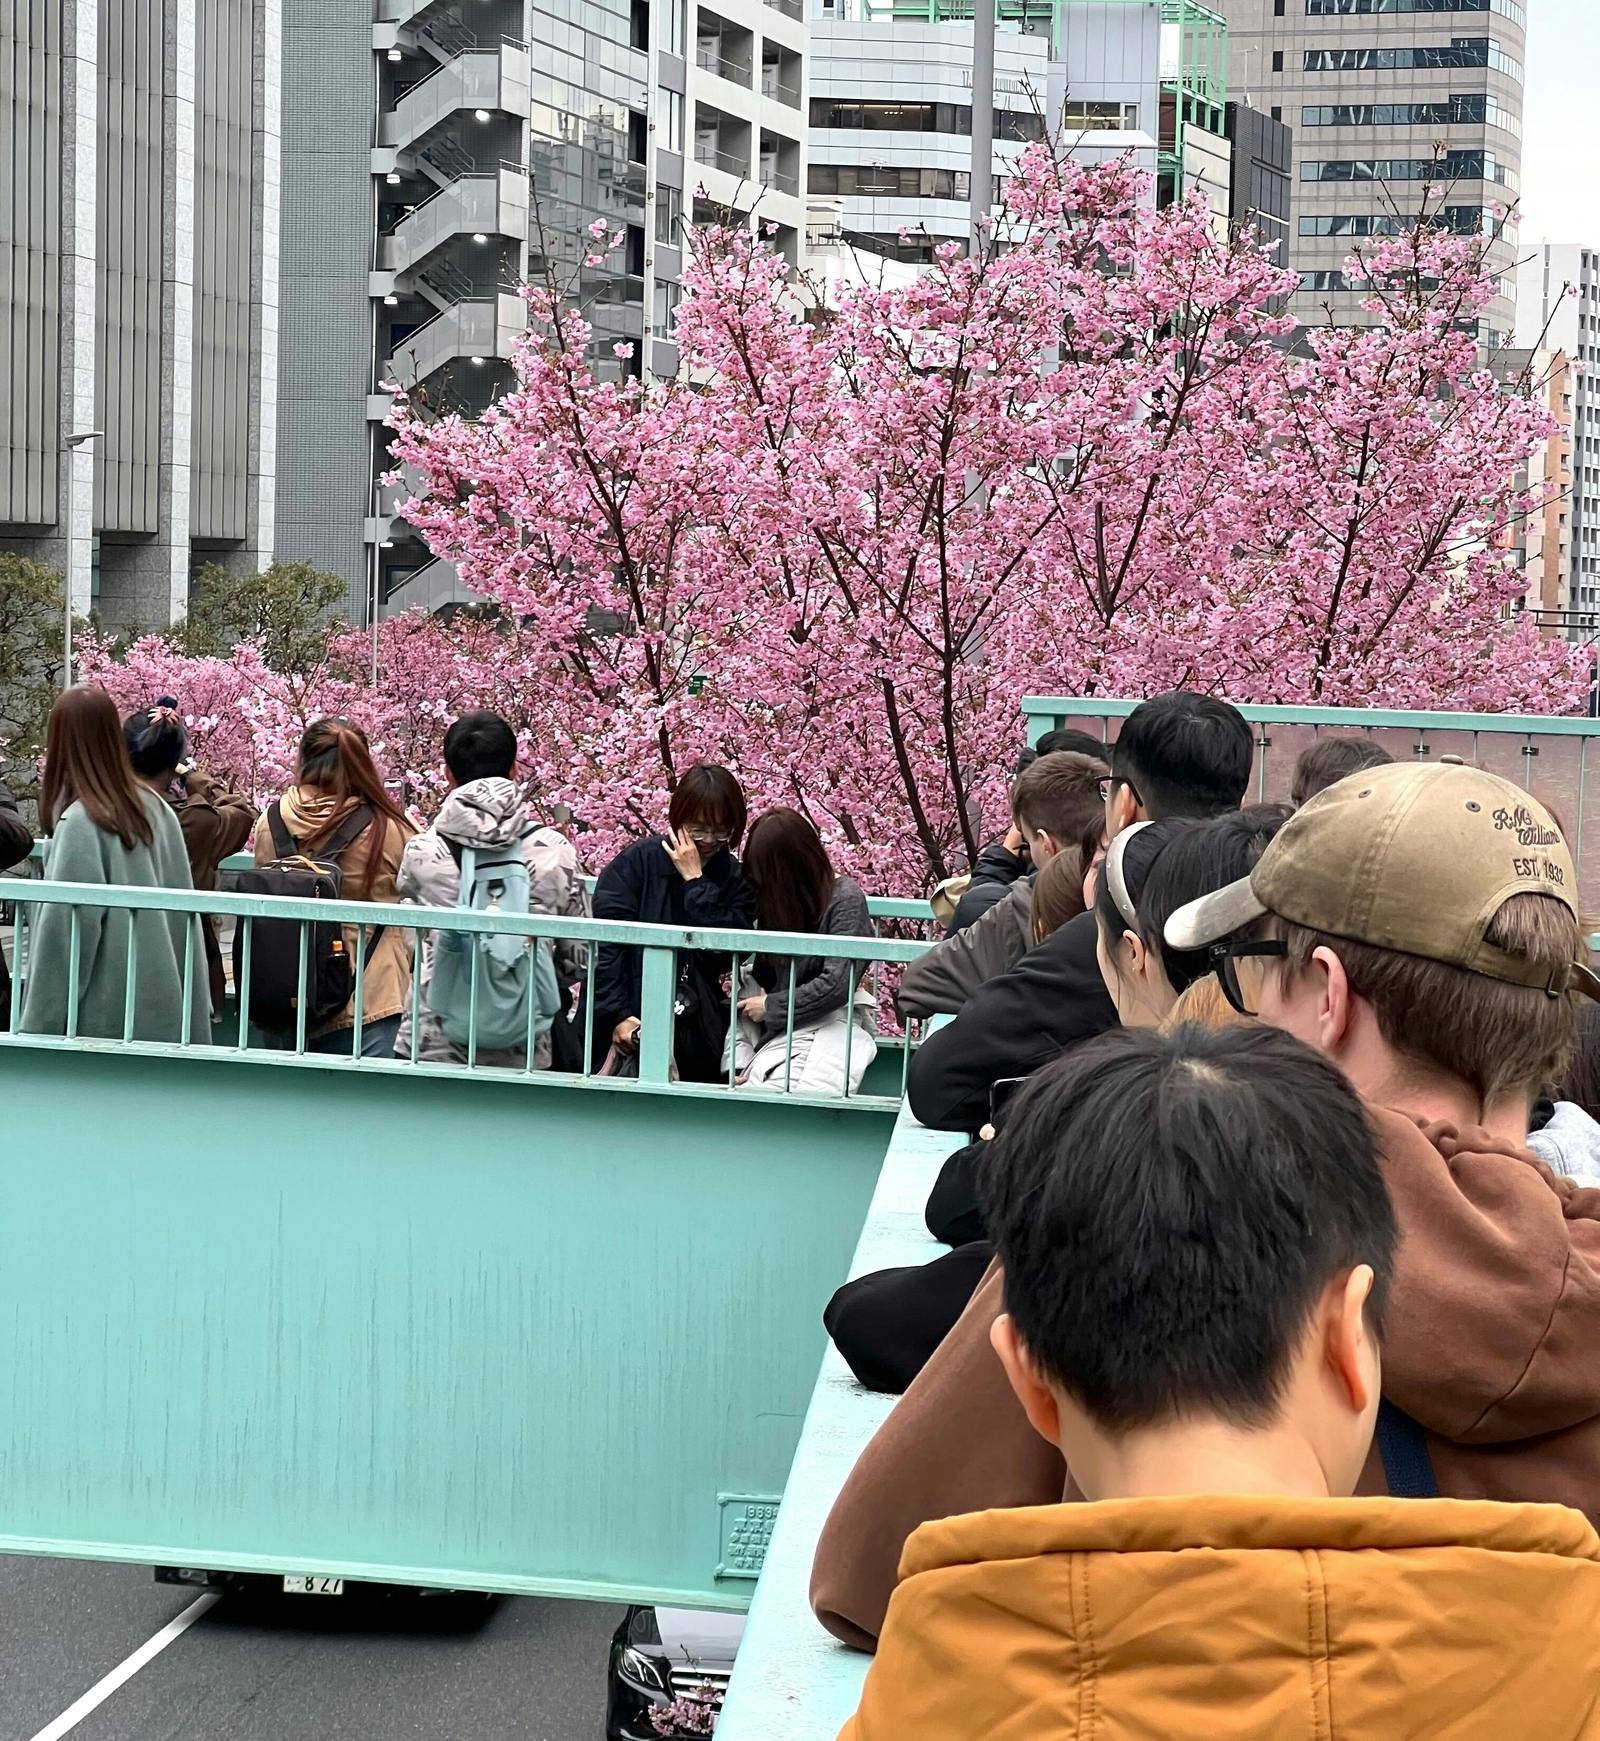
1277	112
1462	51
665	309
638	136
899	117
1455	111
878	181
1361	8
1448	166
1277	60
669	216
1464	220
1095	117
672	120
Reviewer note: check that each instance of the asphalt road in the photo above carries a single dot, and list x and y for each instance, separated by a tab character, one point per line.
294	1668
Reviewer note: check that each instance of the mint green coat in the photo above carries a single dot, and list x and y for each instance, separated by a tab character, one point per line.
79	852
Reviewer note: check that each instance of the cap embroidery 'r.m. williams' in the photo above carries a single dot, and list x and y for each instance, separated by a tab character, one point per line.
1529	831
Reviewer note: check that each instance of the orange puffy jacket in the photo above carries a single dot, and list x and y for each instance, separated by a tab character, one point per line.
1237	1618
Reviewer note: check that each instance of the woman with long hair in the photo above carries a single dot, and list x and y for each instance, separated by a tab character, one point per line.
798	890
216	821
338	802
104	827
688	876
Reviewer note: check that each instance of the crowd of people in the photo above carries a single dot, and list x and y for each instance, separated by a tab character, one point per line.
122	803
1255	1397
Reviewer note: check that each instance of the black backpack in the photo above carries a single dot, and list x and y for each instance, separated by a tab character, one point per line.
275	943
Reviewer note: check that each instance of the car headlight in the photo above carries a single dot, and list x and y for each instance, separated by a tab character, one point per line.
642	1670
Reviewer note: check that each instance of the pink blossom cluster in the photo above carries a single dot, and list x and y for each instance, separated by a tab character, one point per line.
842	544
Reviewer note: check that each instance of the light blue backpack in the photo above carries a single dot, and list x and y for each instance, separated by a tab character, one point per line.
517	997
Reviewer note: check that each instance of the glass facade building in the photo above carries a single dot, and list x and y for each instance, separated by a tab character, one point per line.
1384	97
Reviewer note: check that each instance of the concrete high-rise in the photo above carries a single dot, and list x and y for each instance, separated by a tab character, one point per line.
138	292
1370	88
1558	309
439	157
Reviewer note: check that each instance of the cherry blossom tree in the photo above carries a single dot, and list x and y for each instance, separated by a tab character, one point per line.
842	544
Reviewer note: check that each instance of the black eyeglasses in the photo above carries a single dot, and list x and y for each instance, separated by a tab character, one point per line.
1225	959
1108	783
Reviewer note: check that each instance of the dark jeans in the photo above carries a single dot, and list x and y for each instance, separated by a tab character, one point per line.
377	1040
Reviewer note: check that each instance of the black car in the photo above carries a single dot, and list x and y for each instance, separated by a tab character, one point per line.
659	1655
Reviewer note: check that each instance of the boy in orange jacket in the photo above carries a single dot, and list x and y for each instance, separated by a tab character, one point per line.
1197	1247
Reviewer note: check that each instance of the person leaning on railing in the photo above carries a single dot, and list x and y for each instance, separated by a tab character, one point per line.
16	842
688	876
104	827
832	1018
216	821
336	778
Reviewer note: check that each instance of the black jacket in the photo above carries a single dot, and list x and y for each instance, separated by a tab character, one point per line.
16	842
642	883
1053	998
992	876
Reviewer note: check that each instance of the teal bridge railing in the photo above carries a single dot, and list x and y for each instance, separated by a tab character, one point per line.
417	1323
506	1330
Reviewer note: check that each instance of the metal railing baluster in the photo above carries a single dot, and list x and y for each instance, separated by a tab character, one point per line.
132	979
734	988
416	992
300	1001
241	989
788	1031
472	1002
186	1025
657	1013
74	961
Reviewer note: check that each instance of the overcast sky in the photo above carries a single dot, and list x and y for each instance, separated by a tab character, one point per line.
1561	123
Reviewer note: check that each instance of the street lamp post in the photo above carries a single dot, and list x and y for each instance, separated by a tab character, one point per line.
73	444
981	179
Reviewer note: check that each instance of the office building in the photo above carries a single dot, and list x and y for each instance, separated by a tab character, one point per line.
1370	88
1541	542
437	159
1558	309
138	293
891	103
1261	154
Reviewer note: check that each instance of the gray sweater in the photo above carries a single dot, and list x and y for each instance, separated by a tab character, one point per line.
820	986
79	852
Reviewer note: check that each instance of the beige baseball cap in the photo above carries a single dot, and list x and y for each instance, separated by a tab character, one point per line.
1415	858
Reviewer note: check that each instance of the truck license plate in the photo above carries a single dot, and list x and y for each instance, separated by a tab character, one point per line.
313	1586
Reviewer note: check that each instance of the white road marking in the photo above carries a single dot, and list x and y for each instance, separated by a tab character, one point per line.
127	1669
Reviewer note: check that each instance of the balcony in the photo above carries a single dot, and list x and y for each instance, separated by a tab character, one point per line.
472	206
470	333
431	587
780	75
481	82
721	141
780	163
789	8
724	49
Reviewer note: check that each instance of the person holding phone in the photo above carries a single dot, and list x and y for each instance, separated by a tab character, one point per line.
686	876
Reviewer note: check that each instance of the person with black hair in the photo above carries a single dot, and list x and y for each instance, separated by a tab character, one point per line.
1199	1250
16	842
486	811
1152	870
806	1026
687	876
1334	757
1176	755
215	819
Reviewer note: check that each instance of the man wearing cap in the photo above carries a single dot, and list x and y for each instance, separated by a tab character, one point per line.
1420	927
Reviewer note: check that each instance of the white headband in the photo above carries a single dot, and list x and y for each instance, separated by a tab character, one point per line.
1116	881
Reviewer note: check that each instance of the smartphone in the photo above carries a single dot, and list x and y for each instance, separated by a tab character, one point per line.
1001	1094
